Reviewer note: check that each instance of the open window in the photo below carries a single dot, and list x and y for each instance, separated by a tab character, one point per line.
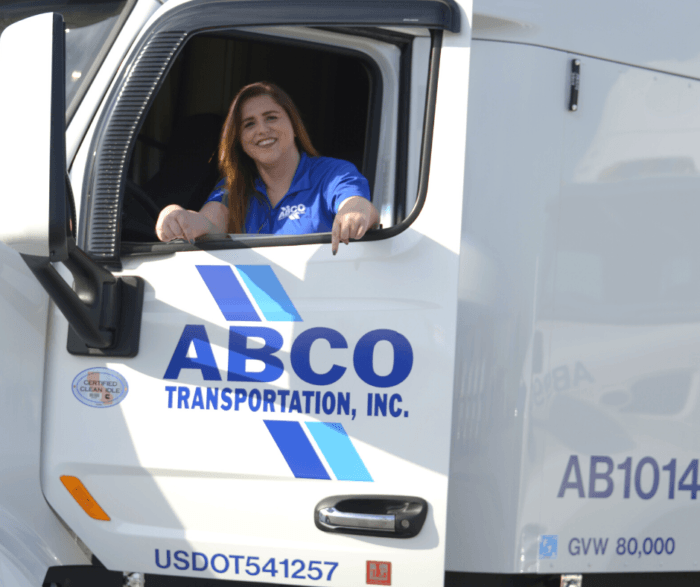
363	92
174	159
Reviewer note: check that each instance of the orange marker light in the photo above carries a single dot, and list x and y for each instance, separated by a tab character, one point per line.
83	497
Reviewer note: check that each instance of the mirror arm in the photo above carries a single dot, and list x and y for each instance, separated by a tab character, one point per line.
103	311
79	306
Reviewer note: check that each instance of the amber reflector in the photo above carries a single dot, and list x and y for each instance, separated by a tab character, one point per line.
83	497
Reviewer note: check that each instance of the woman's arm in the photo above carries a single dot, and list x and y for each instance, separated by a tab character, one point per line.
176	222
355	217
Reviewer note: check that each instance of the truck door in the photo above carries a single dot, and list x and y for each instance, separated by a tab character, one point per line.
286	416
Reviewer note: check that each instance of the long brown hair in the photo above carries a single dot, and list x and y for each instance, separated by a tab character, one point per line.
235	165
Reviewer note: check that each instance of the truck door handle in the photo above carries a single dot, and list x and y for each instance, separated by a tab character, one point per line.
333	519
372	515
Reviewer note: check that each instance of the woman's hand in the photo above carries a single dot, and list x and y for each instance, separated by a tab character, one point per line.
355	217
176	222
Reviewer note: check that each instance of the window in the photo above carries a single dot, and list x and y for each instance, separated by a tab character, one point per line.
91	26
174	158
366	93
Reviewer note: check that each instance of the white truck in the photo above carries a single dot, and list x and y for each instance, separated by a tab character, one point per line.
500	386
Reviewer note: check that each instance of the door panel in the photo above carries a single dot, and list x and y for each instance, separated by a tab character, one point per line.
269	380
195	459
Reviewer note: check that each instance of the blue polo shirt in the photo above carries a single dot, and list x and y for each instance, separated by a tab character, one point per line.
319	186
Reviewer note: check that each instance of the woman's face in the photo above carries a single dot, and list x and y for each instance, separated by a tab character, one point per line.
267	135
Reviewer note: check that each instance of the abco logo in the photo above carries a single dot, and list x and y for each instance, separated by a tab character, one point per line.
264	287
252	293
333	442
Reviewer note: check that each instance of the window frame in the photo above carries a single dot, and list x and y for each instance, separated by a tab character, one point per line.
158	48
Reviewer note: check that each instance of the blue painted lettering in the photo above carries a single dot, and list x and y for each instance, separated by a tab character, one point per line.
595	475
328	402
300	355
198	400
343	403
295	404
183	393
363	358
239	353
225	564
393	409
241	395
181	557
268	400
167	563
193	335
194	562
572	466
254	400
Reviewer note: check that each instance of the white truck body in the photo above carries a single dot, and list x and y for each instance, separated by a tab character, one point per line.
518	345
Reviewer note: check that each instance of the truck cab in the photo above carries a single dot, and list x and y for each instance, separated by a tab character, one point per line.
496	386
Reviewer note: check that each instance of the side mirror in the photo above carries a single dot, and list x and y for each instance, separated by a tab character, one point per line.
35	219
38	219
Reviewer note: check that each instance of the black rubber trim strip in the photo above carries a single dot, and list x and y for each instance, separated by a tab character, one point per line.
247	241
442	14
58	208
120	122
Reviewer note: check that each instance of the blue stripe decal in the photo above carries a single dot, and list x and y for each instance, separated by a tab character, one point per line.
268	293
296	449
228	293
336	446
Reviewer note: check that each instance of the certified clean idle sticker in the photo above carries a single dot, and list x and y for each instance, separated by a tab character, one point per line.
100	387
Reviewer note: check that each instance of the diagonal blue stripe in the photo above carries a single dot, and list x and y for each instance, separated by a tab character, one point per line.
340	452
228	293
268	293
296	449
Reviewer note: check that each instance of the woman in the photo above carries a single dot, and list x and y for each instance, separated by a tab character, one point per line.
279	183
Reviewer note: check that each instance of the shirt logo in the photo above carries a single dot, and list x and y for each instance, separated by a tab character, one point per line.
291	212
248	293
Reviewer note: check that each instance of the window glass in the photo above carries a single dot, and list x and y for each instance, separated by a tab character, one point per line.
88	27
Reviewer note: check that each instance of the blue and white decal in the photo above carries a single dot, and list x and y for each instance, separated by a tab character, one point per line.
264	287
333	442
549	546
100	387
254	293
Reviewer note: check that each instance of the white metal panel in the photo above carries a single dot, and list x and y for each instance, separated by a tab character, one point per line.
31	537
619	404
516	111
656	35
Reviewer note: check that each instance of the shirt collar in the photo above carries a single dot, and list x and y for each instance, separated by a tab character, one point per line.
300	181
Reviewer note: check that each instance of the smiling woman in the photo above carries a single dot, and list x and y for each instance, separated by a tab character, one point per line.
274	181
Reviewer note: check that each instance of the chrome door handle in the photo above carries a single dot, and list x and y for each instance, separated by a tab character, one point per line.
333	519
388	516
